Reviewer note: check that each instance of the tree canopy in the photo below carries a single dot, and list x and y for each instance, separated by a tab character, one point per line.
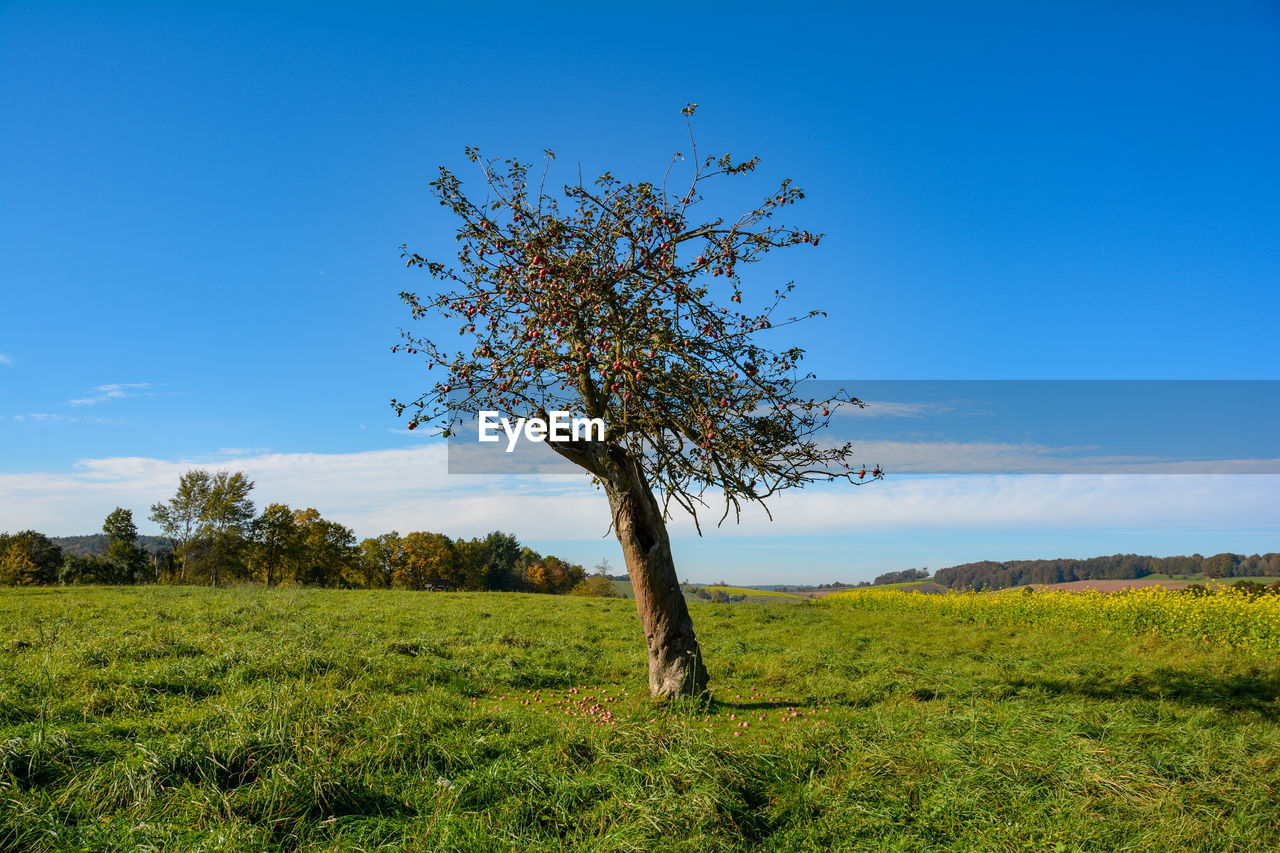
618	303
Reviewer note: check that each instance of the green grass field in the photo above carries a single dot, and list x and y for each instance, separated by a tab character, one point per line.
754	596
191	719
760	596
910	585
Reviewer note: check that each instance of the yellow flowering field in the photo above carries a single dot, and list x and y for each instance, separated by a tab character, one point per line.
1227	617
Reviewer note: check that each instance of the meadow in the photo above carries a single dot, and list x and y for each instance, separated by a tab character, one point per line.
755	596
181	718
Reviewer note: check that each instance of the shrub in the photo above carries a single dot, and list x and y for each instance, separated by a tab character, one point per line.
597	586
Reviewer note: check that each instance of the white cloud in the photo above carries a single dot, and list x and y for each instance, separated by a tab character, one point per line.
410	489
1053	501
47	417
992	457
117	391
5	359
894	409
897	457
372	491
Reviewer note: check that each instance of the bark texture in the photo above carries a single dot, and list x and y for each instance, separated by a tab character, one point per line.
675	660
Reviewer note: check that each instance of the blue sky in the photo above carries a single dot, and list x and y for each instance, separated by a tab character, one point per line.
200	209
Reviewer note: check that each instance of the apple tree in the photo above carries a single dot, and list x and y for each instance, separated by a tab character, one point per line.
618	301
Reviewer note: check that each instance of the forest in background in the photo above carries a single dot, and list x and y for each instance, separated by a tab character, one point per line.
97	544
212	536
998	575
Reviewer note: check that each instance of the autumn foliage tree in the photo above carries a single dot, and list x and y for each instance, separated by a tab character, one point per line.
427	559
28	558
615	300
553	575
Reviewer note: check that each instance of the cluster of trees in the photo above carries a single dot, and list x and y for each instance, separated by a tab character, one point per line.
213	536
1236	566
29	557
904	576
715	592
598	585
716	595
1253	589
993	575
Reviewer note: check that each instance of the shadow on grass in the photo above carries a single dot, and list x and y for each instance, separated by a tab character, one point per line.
1256	693
715	705
1252	693
326	800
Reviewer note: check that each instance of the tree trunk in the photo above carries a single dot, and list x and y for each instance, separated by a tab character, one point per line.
675	660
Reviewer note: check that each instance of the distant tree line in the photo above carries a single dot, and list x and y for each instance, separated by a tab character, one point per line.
994	575
212	536
96	544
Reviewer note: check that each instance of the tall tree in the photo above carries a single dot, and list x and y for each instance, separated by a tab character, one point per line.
276	543
224	525
623	305
380	559
179	517
328	550
127	561
209	519
471	564
501	553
